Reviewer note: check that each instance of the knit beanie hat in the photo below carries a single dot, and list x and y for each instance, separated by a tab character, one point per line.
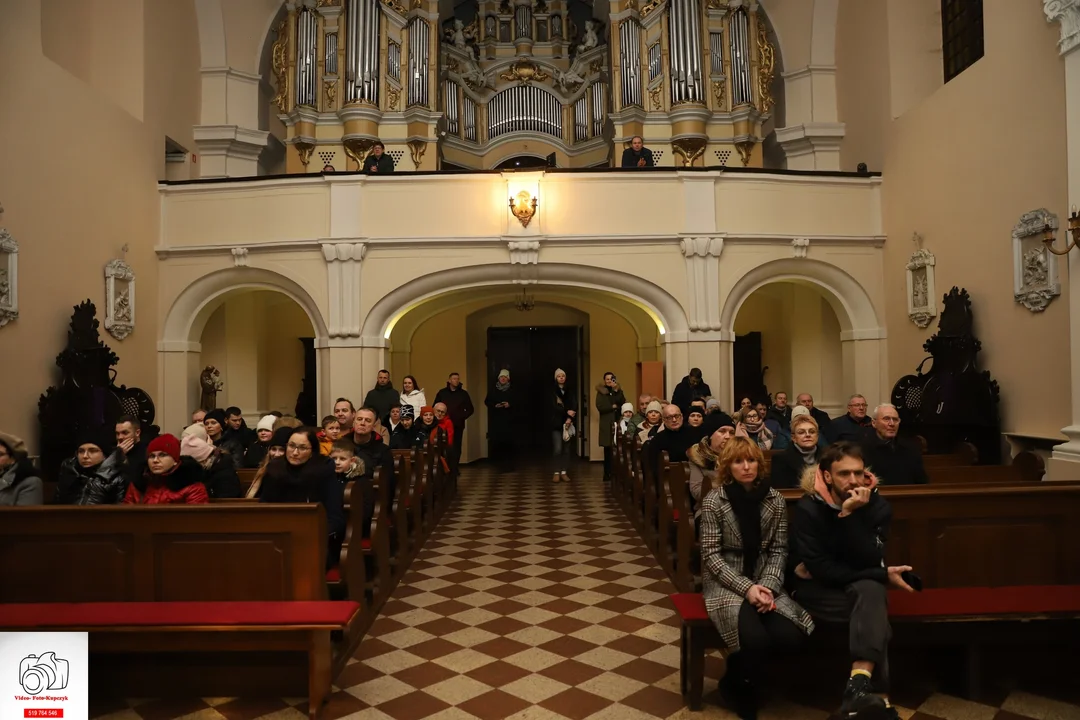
408	412
504	373
427	409
281	436
167	444
558	371
627	407
712	404
266	422
216	414
15	445
103	437
196	448
715	421
696	409
198	430
798	410
654	406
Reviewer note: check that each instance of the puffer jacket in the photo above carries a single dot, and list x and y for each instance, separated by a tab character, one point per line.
104	484
183	486
20	485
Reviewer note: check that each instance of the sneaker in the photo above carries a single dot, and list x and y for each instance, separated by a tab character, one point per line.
565	477
555	478
860	702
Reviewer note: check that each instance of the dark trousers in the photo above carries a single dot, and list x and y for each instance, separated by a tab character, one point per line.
609	455
864	606
761	636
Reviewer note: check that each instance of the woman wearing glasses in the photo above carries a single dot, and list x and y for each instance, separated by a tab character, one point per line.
305	476
803	452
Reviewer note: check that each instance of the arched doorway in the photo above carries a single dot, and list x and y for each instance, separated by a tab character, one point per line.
787	338
612	334
180	350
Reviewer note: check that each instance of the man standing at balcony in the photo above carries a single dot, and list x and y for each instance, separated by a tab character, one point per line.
637	155
378	161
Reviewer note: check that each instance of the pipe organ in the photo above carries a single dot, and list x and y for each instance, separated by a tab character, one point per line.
502	79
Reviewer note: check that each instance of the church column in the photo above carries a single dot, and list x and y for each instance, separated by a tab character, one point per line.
179	365
1065	460
228	135
243	348
346	359
864	358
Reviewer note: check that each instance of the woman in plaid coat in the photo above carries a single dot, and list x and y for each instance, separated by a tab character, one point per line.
743	553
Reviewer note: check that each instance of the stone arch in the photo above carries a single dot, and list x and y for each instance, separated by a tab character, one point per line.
862	333
657	302
179	349
193	306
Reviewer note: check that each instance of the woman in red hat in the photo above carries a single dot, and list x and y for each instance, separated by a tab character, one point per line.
169	478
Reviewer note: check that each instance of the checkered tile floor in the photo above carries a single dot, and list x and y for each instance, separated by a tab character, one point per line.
535	601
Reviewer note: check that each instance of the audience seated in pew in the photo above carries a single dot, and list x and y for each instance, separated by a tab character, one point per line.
788	466
401	438
130	440
214	423
275	449
169	478
653	422
855	426
256	451
306	475
346	465
329	432
220	473
837	568
894	460
743	556
236	430
753	428
19	480
95	476
675	440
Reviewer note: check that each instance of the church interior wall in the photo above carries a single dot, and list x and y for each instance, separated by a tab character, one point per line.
79	181
862	82
960	169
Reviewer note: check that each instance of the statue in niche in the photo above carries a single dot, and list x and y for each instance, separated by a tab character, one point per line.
122	312
210	383
556	27
1036	273
574	76
5	286
919	291
490	26
589	39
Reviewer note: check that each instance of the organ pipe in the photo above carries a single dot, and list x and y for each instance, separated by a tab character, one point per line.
331	54
596	94
742	92
523	22
581	119
450	101
656	65
419	47
306	49
685	36
468	108
524	108
362	51
393	60
716	52
630	65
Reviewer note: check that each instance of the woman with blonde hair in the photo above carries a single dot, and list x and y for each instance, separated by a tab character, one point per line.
803	452
743	555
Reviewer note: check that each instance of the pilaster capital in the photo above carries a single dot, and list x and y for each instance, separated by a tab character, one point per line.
702	247
524	252
344	251
1067	14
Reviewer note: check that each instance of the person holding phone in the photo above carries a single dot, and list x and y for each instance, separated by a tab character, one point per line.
838	571
609	402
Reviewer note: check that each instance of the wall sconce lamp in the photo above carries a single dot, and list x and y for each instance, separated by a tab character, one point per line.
523	205
1074	230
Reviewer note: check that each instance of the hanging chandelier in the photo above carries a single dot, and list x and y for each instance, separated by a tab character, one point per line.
525	303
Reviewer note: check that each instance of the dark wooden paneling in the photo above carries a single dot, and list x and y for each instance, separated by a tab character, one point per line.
96	568
215	557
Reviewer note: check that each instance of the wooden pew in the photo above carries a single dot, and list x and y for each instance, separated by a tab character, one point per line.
179	553
1026	467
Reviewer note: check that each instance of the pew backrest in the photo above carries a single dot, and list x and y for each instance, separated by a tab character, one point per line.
227	551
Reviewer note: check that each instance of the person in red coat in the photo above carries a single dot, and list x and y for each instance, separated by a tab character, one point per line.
169	479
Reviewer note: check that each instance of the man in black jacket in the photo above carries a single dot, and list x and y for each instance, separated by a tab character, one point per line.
376	454
379	162
894	461
822	417
459	408
690	388
853	427
780	410
383	396
637	155
675	439
838	571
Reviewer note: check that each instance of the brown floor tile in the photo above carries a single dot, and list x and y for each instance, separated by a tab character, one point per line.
558	576
643	670
448	608
453	592
494	705
568	647
634	645
563	624
618	605
500	647
562	606
503	626
626	623
1006	715
575	703
414	706
508	591
423	675
509	577
655	701
498	673
434	648
571	672
505	607
561	591
610	588
356	673
384	626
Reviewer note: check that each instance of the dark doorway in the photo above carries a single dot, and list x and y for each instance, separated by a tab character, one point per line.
521	162
532	354
749	374
306	402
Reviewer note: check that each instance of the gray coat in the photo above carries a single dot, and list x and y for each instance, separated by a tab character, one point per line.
721	557
20	485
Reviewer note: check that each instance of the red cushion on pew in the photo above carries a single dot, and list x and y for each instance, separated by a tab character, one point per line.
128	614
690	606
675	515
1019	600
365	544
333	574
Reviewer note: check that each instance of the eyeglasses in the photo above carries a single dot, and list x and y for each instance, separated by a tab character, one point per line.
298	448
673	417
804	433
857	405
889	420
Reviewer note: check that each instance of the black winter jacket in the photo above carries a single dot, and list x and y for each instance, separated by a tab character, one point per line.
221	479
788	467
459	407
562	401
312	482
104	484
836	550
896	462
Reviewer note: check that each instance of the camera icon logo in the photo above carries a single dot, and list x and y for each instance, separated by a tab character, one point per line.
38	673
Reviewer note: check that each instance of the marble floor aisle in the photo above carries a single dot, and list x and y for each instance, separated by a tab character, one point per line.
536	601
